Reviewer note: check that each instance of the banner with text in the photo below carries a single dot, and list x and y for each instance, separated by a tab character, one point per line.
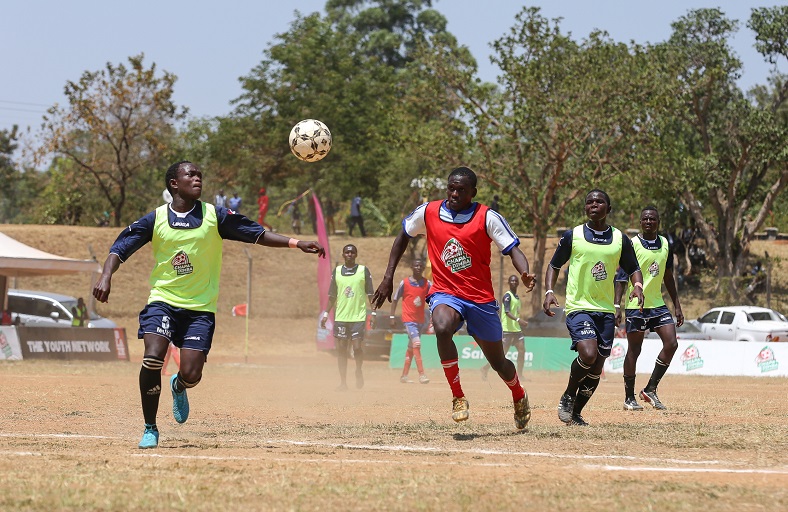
540	353
73	343
708	357
9	344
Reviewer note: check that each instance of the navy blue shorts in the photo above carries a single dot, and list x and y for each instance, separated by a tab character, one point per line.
589	325
184	328
349	330
652	318
483	321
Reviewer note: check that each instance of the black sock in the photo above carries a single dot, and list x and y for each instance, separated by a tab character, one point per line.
577	373
150	391
629	386
586	391
659	371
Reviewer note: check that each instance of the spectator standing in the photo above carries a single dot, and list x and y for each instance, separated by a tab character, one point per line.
355	216
79	314
220	200
330	211
262	209
235	203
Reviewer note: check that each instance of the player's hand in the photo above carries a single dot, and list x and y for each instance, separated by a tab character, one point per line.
312	247
382	293
679	317
529	281
618	316
637	293
549	300
523	323
102	288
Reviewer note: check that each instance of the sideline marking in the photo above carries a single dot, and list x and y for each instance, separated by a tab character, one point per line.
480	451
692	470
64	436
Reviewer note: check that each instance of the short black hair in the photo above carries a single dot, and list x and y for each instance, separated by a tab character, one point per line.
649	208
349	245
465	172
172	173
604	194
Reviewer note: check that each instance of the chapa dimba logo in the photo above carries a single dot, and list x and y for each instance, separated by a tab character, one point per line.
598	271
691	358
454	256
766	361
180	262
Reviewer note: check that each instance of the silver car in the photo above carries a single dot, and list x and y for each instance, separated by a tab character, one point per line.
45	309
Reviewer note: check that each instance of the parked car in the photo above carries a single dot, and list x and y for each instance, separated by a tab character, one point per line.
45	309
743	323
687	331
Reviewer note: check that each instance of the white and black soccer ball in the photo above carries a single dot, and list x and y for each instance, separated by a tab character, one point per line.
310	140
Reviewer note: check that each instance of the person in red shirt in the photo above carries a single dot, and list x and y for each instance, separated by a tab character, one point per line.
413	291
459	232
262	205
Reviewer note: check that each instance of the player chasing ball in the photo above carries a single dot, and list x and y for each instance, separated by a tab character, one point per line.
656	259
186	236
459	232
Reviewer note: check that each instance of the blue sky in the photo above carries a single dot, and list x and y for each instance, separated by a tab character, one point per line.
209	45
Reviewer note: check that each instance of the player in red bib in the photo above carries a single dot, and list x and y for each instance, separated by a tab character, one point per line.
413	291
459	232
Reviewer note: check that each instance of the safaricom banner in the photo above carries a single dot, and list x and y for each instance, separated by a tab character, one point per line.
692	357
701	357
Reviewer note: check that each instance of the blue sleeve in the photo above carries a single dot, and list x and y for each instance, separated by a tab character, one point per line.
628	260
621	275
134	237
507	303
564	250
234	226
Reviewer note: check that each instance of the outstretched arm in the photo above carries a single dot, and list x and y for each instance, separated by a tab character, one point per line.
387	284
270	239
104	284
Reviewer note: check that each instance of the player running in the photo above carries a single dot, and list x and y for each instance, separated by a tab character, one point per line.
594	250
459	232
186	236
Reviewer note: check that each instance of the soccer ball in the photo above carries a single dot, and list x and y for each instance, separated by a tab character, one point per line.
310	140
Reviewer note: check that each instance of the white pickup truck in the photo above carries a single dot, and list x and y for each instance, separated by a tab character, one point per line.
744	323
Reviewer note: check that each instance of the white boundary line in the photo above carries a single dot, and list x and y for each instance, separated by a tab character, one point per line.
63	436
691	470
480	451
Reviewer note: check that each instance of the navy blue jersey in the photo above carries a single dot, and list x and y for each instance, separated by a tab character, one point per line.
232	226
628	261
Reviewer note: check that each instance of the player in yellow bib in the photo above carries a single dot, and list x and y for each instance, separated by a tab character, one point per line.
656	261
186	236
593	250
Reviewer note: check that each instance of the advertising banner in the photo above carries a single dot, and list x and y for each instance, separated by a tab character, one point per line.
9	344
70	343
540	353
708	357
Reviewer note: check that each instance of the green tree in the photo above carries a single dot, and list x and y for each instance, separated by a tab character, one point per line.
115	129
727	155
566	116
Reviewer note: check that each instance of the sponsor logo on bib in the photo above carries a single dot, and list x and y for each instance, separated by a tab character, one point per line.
454	256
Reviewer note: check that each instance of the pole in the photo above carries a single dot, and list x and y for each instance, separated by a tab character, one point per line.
768	281
248	303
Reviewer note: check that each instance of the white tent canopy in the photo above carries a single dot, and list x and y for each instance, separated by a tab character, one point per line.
18	259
